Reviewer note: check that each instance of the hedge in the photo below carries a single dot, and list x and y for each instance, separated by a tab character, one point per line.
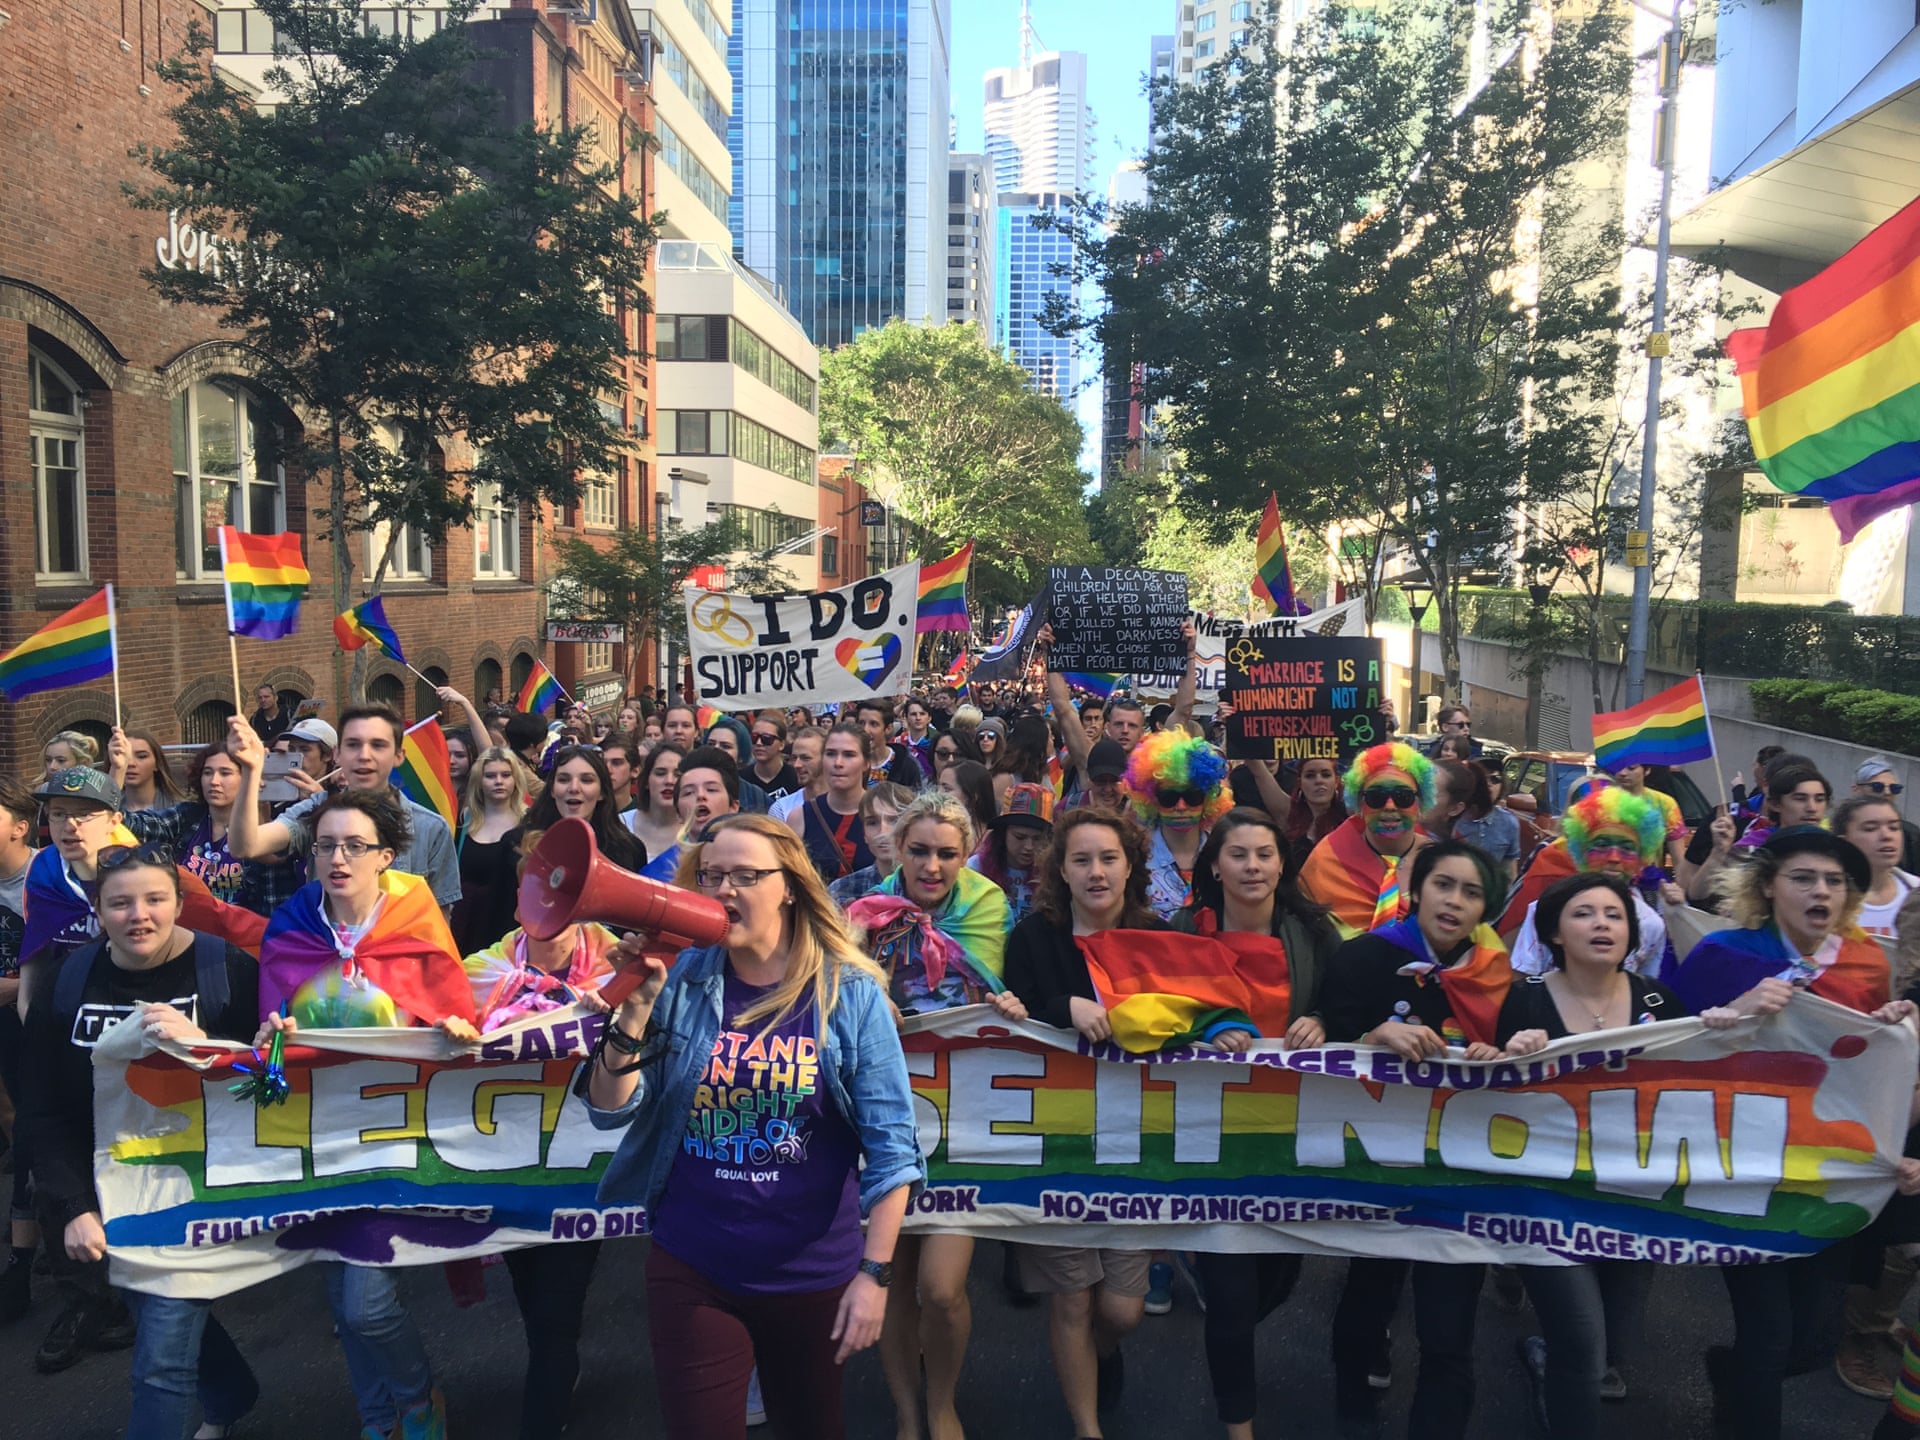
1853	713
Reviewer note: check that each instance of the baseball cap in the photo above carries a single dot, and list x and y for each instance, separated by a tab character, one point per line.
1873	765
1106	761
315	731
81	782
1027	804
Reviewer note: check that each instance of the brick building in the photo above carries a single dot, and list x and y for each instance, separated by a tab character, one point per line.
128	425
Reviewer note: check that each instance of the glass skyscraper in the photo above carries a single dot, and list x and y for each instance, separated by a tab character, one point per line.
839	143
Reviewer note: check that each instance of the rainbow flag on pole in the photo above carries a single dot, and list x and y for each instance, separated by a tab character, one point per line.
1273	579
425	774
1831	383
540	691
366	623
1670	728
943	593
70	649
266	581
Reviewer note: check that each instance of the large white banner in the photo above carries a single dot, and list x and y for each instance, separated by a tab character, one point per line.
751	651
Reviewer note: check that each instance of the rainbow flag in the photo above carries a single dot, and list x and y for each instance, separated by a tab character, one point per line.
540	691
1831	383
1097	682
704	716
957	672
943	593
1670	728
1273	578
266	581
425	773
364	623
70	649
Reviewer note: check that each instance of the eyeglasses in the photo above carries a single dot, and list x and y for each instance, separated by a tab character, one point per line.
1885	787
760	739
114	856
1815	880
1380	797
740	879
1193	797
353	849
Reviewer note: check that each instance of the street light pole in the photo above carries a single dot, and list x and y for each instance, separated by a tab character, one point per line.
1640	540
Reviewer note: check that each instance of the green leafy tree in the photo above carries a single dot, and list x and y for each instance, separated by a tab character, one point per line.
971	451
444	295
636	580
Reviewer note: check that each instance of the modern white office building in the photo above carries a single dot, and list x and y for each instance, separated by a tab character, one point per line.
972	225
1037	122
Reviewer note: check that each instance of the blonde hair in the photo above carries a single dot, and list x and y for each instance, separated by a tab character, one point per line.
822	950
86	750
1739	889
940	807
524	785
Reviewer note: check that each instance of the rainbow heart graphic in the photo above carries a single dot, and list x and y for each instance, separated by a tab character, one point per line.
869	661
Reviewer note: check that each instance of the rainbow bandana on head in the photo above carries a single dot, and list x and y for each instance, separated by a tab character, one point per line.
1167	760
1614	808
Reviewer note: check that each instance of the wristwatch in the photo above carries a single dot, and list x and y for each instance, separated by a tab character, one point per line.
878	1271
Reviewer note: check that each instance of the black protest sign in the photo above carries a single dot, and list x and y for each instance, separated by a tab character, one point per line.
1108	620
1304	699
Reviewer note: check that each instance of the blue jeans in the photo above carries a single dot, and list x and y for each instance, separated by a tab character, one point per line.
386	1358
183	1354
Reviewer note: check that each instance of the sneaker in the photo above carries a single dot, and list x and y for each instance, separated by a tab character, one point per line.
1159	1288
16	1289
1613	1385
1857	1363
66	1342
1380	1371
1533	1356
756	1407
1183	1262
113	1327
1112	1381
425	1422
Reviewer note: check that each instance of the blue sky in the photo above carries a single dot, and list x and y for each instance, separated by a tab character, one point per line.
1113	34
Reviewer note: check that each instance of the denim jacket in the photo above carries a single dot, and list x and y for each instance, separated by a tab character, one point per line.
861	1058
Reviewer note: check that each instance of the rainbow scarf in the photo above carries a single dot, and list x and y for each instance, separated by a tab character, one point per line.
1475	986
404	970
1353	880
1728	963
1163	990
508	987
969	933
59	907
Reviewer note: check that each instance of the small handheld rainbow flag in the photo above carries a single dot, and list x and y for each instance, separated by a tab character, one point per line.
366	623
1273	581
1670	728
957	672
70	649
1096	682
425	774
943	593
266	580
540	691
704	716
1831	383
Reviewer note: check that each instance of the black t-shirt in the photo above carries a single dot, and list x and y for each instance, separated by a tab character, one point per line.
1529	1006
111	994
784	782
1365	990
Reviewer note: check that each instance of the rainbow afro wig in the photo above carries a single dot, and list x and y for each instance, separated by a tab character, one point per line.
1614	808
1168	760
1372	762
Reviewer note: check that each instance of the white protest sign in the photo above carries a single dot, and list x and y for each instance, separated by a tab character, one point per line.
851	643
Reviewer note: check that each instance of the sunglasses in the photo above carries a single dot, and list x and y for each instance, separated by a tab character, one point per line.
1399	797
765	739
115	856
1885	787
1194	798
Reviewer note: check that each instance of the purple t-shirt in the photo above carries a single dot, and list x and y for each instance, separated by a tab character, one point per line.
763	1197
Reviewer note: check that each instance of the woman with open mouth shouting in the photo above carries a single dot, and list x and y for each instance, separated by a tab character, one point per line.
1356	871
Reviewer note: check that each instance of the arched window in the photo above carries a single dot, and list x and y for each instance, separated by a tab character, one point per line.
207	723
226	471
57	437
522	667
486	685
425	701
97	731
388	691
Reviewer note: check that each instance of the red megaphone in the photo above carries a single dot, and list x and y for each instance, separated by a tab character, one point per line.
568	881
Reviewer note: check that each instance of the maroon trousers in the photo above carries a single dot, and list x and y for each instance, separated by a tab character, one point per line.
706	1342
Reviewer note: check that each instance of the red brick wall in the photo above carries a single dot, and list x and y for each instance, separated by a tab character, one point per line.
71	108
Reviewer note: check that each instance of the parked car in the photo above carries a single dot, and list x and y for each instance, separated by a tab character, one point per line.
1695	808
1537	782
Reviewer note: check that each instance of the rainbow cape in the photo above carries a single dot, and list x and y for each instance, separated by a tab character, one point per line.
266	579
943	593
539	691
969	934
1261	963
404	971
1831	383
508	986
1475	987
366	623
1670	728
1273	577
1344	873
70	649
425	773
202	912
1163	990
1728	963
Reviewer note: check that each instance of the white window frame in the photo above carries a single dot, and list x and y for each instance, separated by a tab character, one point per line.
497	522
188	482
596	657
600	503
413	555
51	428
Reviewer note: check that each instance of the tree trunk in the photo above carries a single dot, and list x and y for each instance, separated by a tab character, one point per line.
342	557
1448	600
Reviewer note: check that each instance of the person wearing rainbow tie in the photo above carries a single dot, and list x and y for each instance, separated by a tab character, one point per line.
1355	871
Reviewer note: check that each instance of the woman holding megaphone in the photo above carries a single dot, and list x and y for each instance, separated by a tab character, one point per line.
755	1078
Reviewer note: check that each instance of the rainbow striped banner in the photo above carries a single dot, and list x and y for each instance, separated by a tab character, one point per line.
425	772
539	691
71	649
1671	728
266	579
1831	384
943	593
